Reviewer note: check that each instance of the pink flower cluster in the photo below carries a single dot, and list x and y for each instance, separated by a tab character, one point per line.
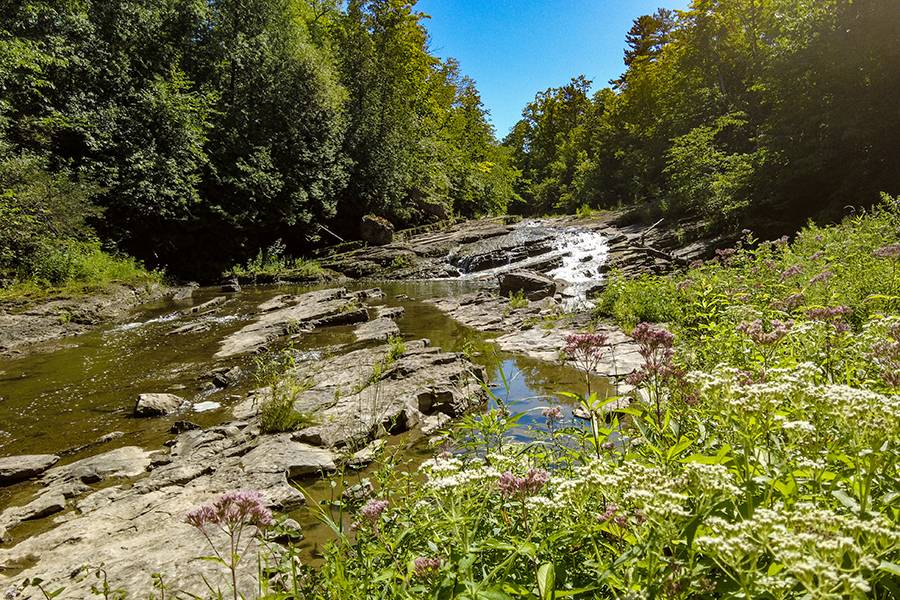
889	251
373	509
426	566
886	354
586	349
232	511
790	302
791	272
831	314
511	485
553	413
821	277
611	513
655	346
763	335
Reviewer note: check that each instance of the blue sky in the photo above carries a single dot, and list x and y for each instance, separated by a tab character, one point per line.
515	48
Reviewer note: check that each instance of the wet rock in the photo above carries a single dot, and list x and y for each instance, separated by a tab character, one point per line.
289	314
534	285
367	455
511	247
230	378
206	406
182	426
20	468
231	285
369	294
157	405
378	330
109	437
4	536
376	231
360	492
129	461
389	312
359	395
184	293
205	306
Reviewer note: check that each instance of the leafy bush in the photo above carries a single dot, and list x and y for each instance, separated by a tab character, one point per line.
645	298
273	263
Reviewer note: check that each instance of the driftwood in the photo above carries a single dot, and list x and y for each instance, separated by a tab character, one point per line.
655	252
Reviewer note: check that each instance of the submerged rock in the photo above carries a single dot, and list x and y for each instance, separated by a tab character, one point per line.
157	405
20	468
534	285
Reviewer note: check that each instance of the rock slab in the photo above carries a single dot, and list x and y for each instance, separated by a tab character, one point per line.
157	405
20	468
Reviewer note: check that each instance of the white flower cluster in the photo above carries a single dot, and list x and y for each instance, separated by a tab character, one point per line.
821	550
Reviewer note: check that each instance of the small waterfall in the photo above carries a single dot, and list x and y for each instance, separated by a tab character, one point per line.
585	253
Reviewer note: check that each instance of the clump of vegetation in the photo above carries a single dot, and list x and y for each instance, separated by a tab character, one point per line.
517	300
275	372
272	263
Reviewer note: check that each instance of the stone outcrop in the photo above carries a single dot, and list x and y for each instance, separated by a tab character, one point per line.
20	468
283	314
157	405
378	330
376	231
533	285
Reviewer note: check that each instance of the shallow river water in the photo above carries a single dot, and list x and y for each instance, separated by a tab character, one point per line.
64	398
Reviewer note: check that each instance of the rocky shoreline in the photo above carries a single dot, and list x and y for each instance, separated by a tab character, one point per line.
124	508
22	328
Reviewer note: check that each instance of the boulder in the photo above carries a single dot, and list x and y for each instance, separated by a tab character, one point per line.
367	455
231	285
157	405
228	378
534	285
280	453
378	330
19	468
129	461
376	231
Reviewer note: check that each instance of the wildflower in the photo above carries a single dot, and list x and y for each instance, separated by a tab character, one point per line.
684	284
765	336
791	272
373	509
585	348
553	414
723	254
889	251
426	566
695	264
232	511
791	302
608	513
831	314
655	346
821	277
511	485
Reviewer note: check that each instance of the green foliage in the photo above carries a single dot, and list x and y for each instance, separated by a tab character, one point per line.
276	409
396	349
756	459
645	298
771	110
272	264
517	300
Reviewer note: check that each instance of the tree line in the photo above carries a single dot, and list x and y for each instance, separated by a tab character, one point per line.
732	110
192	133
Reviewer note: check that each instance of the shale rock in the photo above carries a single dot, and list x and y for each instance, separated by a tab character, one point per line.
19	468
534	285
157	405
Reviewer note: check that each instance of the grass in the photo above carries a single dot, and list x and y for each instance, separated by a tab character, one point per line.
272	263
75	269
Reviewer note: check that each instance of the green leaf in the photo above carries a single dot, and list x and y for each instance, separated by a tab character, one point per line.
546	577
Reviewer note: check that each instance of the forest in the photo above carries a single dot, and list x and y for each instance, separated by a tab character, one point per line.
191	134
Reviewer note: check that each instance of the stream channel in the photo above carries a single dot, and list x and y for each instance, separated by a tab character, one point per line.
76	396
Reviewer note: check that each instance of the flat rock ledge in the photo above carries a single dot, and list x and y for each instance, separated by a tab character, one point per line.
125	508
20	468
539	331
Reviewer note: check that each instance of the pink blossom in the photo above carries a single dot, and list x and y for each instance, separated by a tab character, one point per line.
553	413
373	509
426	566
889	251
763	334
232	510
791	272
821	277
511	485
